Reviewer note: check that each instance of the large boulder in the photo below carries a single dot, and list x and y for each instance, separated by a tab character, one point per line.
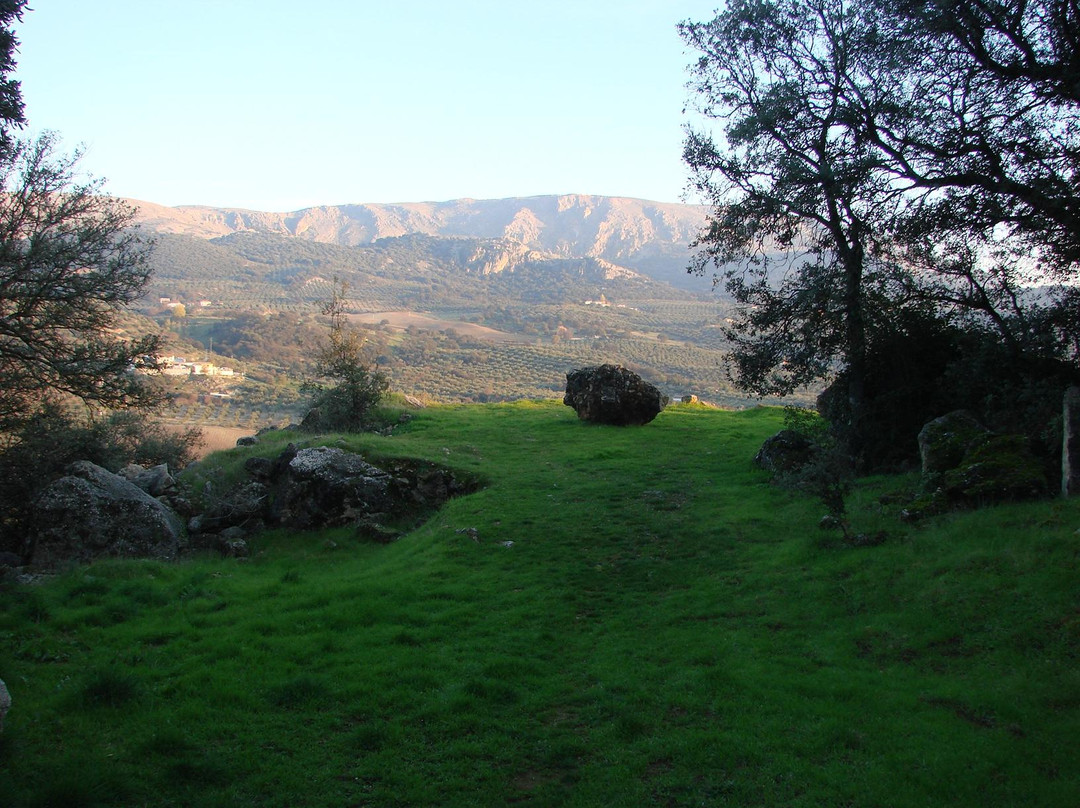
93	513
611	394
329	486
944	441
785	452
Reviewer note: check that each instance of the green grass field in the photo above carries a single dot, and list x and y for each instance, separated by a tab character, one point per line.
641	620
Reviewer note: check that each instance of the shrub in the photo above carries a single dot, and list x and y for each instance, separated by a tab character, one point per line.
807	456
348	405
926	368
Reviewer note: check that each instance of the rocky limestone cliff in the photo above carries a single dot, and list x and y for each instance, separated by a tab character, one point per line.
633	233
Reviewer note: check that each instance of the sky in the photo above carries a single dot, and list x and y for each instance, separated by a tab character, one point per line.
279	105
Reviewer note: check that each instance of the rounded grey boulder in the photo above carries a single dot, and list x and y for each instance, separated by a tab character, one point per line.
93	513
611	394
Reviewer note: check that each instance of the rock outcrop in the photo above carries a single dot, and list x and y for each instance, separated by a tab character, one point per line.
92	513
611	394
327	486
324	487
964	464
1001	469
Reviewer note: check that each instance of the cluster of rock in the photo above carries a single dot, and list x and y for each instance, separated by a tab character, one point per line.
92	513
611	394
963	464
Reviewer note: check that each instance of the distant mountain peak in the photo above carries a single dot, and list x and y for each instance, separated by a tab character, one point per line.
649	237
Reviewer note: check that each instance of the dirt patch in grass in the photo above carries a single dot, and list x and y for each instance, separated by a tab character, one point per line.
403	319
215	438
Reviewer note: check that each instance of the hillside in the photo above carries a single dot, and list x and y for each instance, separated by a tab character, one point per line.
650	237
250	268
453	317
622	617
468	300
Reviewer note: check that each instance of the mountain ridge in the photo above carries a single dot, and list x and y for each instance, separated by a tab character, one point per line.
649	237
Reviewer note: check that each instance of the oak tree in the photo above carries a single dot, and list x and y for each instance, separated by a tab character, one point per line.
69	263
798	192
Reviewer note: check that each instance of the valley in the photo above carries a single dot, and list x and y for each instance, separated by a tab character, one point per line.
456	309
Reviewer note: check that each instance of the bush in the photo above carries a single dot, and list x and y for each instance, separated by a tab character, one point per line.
348	405
925	368
824	470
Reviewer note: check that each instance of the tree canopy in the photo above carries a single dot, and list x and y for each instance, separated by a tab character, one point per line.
69	262
882	165
11	103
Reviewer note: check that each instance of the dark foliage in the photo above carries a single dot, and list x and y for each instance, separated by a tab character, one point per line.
68	265
927	366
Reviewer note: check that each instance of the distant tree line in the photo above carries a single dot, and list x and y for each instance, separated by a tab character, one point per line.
896	207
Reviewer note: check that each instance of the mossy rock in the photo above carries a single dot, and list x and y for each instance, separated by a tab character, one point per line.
1001	469
945	441
785	452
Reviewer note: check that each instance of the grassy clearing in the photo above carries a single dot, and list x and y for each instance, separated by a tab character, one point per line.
664	628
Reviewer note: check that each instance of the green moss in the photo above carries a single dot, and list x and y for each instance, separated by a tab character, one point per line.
1001	469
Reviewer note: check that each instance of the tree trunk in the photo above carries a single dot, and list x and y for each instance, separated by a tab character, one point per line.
852	257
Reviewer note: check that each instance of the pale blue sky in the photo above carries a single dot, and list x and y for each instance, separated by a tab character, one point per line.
276	105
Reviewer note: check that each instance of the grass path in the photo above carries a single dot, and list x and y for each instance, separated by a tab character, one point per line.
642	620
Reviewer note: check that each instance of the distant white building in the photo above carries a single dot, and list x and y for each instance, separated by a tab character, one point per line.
210	369
179	366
